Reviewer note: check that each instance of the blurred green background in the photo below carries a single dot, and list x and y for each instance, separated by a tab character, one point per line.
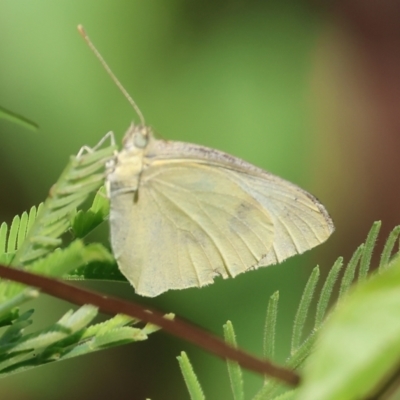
307	92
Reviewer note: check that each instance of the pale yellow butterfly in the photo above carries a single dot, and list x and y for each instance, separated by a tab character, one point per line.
182	214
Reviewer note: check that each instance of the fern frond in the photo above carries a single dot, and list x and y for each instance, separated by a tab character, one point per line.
350	270
7	318
112	323
69	324
326	292
234	370
300	350
15	331
113	332
33	242
297	357
295	360
13	234
67	338
85	221
270	326
303	308
60	262
190	378
3	237
114	337
369	248
388	248
11	239
33	236
77	181
39	348
7	307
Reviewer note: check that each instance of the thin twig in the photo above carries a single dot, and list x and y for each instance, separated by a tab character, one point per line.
111	305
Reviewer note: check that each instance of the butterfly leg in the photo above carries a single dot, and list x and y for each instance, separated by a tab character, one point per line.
86	149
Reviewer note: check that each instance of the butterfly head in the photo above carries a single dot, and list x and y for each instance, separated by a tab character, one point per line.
136	137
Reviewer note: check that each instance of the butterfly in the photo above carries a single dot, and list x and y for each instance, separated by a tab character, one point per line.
182	214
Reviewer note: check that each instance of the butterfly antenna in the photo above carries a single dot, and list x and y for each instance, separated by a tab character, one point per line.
111	74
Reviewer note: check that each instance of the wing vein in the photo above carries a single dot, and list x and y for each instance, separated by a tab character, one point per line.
190	192
204	230
188	231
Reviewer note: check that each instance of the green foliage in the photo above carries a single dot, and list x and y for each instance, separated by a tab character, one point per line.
74	186
327	292
234	370
81	225
358	351
17	119
69	337
303	308
367	253
360	342
86	221
192	383
270	326
388	249
40	241
353	356
350	271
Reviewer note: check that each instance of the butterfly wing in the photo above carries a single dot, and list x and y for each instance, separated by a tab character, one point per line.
200	213
189	224
300	221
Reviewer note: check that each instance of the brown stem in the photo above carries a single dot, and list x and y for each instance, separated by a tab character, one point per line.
177	327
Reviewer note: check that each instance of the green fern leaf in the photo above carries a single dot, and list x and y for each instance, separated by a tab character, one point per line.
234	370
119	336
11	240
8	307
62	261
190	378
270	326
113	323
3	237
388	248
303	308
76	182
369	248
12	237
15	332
85	222
327	292
350	270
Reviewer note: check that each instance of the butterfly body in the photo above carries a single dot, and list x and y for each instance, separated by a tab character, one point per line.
181	214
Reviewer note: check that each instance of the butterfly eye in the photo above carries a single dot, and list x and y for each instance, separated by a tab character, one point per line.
140	140
137	137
